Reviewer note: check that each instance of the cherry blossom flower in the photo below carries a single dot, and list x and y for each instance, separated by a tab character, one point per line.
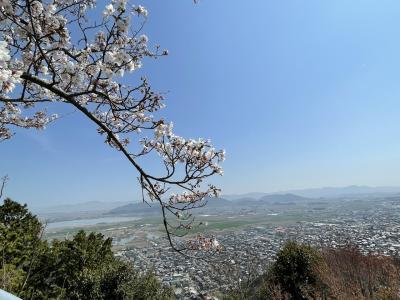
141	11
109	10
4	52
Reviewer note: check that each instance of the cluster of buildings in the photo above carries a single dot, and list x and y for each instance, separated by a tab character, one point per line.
249	250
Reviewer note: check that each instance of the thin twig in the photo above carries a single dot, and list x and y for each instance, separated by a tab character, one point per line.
3	184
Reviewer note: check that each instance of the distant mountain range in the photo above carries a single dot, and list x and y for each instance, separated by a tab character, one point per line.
226	202
89	206
215	204
137	208
73	211
327	192
143	208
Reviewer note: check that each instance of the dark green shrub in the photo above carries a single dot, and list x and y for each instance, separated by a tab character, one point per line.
295	269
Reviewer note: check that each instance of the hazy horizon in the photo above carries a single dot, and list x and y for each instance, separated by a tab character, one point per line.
337	192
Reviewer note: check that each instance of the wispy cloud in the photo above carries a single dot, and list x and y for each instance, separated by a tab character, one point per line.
40	138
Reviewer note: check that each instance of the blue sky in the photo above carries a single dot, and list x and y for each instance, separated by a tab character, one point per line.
300	93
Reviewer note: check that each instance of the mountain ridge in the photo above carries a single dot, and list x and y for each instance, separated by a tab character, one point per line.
324	192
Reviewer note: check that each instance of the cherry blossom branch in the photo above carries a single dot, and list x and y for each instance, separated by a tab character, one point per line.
41	63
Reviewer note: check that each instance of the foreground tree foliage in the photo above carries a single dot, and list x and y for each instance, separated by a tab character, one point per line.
81	268
294	270
20	233
68	53
303	272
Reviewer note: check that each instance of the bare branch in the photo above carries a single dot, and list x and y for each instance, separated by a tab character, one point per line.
4	181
